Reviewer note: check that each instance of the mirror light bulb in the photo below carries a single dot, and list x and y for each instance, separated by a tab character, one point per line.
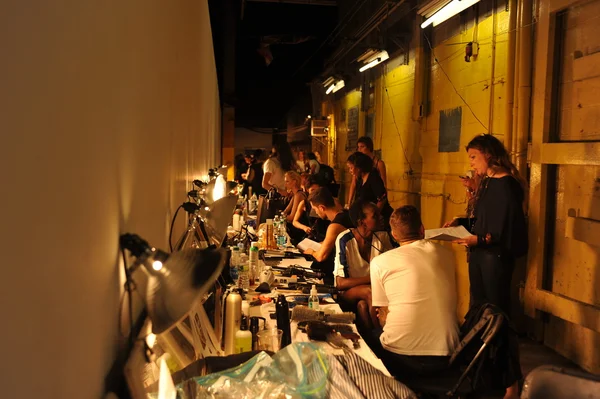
157	265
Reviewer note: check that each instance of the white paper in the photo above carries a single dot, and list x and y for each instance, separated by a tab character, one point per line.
287	262
307	243
447	234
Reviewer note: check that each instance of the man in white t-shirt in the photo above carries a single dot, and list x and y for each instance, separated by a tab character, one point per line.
414	289
273	175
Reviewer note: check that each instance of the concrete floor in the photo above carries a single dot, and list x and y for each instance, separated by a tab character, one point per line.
533	355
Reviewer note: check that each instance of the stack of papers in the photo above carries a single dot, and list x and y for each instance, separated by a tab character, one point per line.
447	234
307	243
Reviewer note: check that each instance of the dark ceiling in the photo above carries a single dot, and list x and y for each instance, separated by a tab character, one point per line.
294	35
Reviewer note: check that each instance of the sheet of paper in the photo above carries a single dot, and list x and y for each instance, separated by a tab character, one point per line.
447	234
307	243
287	262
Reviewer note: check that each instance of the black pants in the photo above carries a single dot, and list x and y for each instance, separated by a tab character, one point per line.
490	275
405	366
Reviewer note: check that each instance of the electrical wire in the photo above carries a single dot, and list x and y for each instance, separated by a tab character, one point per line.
453	86
171	228
398	131
129	285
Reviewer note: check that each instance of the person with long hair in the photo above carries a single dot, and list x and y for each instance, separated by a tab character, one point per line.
355	248
313	164
301	162
499	229
369	186
311	225
365	145
280	161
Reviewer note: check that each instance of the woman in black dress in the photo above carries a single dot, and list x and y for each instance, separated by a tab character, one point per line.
499	229
369	185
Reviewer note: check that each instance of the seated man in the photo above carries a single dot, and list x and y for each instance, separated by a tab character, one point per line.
326	207
354	250
414	288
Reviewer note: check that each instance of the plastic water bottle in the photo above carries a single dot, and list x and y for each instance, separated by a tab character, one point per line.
244	274
234	264
282	237
253	262
313	299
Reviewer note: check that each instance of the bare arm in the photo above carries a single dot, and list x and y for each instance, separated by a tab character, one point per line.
328	244
345	283
295	203
382	313
296	223
265	181
351	192
382	172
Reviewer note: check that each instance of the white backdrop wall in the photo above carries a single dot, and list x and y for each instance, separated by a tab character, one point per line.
108	109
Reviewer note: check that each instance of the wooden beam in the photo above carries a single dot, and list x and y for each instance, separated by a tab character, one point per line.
580	153
584	230
569	309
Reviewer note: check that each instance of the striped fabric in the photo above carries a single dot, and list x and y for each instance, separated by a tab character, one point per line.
352	377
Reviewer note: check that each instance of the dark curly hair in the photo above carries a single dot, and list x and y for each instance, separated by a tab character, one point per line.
361	161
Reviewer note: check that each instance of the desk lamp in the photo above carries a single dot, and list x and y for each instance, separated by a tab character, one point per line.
176	281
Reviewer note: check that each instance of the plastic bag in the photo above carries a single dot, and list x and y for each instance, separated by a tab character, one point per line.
299	370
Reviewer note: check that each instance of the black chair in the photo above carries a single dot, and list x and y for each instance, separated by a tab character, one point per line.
465	373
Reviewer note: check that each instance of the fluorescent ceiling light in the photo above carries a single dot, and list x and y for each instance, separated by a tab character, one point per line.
329	81
375	60
330	89
338	85
448	11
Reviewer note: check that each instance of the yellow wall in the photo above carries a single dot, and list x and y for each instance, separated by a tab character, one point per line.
107	110
432	180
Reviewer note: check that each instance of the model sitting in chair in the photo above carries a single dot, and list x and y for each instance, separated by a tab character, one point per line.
414	291
354	250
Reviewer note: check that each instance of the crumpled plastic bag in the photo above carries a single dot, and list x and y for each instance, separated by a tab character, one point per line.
300	370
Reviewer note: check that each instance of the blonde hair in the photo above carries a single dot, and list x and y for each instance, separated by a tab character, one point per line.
292	175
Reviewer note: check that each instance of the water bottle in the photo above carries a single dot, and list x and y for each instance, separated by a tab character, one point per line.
243	274
282	313
253	261
313	299
234	263
282	237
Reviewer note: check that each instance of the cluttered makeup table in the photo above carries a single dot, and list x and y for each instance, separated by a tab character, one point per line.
296	298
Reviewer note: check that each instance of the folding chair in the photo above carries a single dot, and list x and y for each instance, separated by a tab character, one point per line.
463	375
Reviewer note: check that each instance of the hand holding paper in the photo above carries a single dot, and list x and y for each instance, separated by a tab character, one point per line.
308	244
447	234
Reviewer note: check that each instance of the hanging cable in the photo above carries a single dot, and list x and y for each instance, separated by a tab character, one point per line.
453	86
171	229
410	171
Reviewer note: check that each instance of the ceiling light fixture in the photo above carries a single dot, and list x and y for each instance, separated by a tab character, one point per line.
375	59
448	11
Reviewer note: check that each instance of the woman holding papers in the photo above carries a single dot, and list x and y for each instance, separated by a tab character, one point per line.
499	231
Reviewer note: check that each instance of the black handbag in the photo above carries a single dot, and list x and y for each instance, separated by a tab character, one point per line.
273	204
